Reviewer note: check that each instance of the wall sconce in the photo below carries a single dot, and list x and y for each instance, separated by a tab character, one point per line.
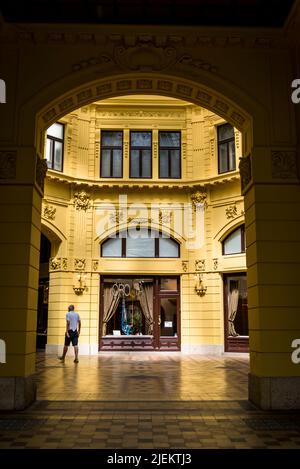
200	289
81	284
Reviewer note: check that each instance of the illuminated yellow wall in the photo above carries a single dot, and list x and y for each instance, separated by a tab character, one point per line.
81	232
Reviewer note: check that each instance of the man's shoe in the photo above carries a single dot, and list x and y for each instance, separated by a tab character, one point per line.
76	360
62	359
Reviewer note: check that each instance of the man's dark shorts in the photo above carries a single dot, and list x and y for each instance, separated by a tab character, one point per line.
73	337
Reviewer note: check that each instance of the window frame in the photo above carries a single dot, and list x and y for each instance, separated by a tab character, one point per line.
169	156
226	142
111	148
123	247
59	140
140	155
243	241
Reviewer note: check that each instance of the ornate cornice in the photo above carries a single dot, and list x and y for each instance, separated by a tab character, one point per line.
70	36
130	184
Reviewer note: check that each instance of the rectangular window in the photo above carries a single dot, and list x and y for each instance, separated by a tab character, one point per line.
140	154
55	146
226	148
111	154
169	155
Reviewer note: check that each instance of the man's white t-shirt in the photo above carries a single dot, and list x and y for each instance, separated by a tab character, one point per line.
73	319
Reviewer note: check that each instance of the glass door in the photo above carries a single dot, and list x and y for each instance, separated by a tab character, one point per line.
168	321
236	313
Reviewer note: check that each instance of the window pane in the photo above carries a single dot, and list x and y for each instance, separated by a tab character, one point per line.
168	248
49	150
169	139
175	163
231	146
134	163
117	163
163	164
140	247
105	163
168	284
57	156
223	165
56	130
225	132
168	317
233	244
140	139
112	248
146	168
111	139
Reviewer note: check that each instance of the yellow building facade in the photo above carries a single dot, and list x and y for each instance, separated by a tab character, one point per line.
193	210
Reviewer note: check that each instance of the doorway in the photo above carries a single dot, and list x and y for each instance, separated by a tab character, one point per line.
139	313
236	313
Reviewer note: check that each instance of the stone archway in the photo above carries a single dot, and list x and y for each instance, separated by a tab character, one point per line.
148	67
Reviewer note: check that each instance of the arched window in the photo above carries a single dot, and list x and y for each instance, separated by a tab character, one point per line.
235	242
140	243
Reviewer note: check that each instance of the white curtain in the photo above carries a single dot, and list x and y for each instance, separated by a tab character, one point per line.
110	305
232	310
146	301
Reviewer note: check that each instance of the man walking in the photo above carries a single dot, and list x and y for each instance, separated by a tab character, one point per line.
73	326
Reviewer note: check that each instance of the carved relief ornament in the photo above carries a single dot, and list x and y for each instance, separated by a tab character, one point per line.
199	197
8	164
81	200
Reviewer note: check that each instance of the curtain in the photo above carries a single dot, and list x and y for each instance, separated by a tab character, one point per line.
232	310
146	301
110	305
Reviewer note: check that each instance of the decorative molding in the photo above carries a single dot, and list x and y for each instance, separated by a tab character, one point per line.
165	217
142	114
40	171
79	264
215	264
55	263
95	265
245	171
49	212
8	164
200	265
185	265
199	197
116	217
174	87
231	212
64	263
284	164
81	200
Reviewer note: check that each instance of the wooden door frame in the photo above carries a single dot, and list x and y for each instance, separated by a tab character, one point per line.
157	295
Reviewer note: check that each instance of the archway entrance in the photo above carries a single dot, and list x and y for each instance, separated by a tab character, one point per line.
166	232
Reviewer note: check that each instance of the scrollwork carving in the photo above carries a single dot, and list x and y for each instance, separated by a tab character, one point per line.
81	200
284	164
199	197
49	212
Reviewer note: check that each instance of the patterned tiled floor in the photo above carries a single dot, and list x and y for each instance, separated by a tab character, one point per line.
146	401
